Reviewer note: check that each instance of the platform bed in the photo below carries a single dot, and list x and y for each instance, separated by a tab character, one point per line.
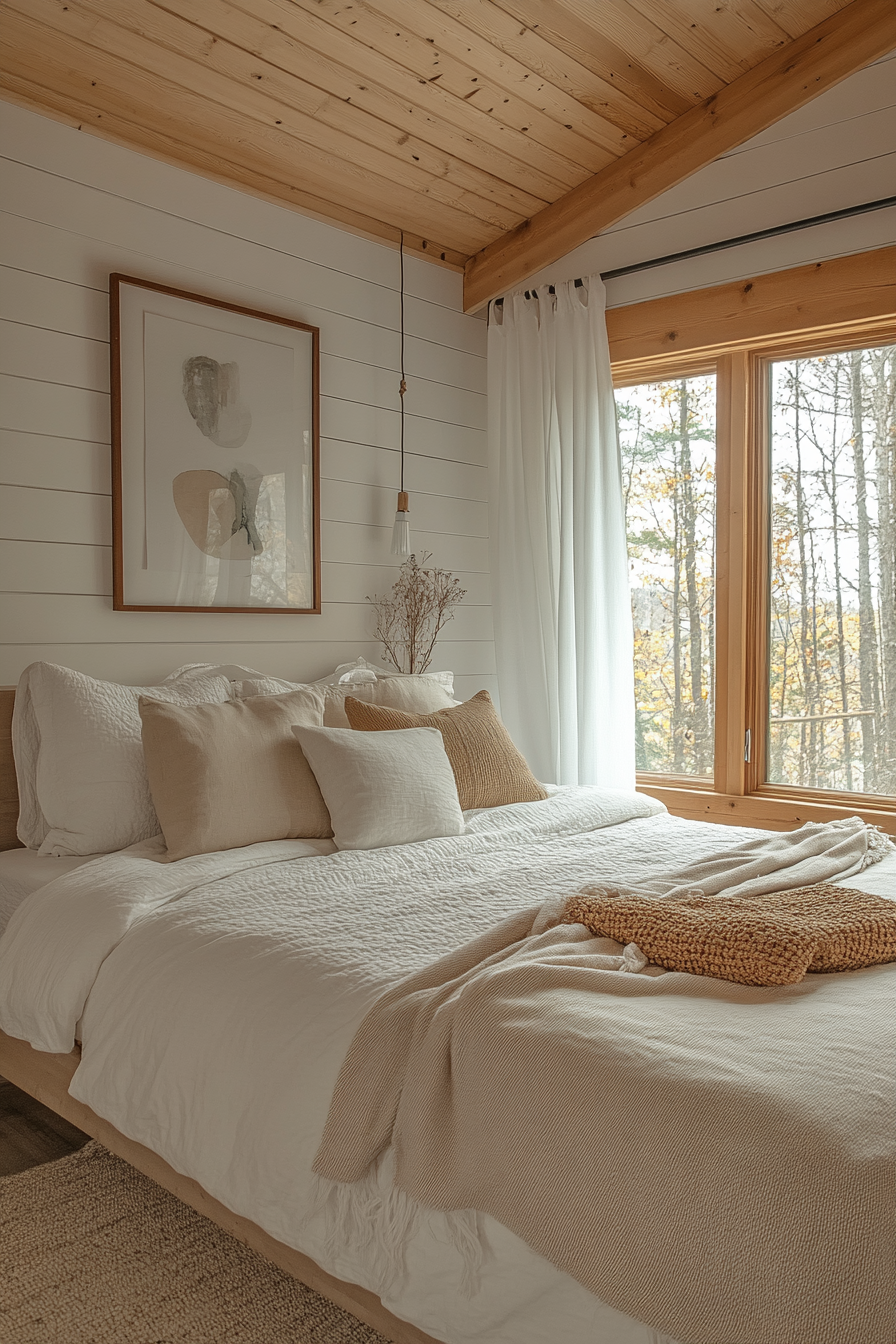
46	1077
214	1035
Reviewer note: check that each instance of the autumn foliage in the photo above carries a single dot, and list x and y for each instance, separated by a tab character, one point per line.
832	600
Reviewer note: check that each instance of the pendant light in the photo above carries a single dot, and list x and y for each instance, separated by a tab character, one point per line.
401	529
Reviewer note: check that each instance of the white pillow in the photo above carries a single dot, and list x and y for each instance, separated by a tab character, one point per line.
79	757
357	673
246	681
388	788
415	695
259	685
361	671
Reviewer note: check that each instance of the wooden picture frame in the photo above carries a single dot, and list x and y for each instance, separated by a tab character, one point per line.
215	454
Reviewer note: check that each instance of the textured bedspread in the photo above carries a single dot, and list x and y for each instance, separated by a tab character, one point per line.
749	1133
218	997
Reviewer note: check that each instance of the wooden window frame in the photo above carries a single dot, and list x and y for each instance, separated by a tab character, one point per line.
736	331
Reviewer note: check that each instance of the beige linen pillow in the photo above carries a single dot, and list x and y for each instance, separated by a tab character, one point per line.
384	788
227	775
488	769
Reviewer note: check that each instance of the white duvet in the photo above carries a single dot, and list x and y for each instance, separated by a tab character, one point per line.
216	998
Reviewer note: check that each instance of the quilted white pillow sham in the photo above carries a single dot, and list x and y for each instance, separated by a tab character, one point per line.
79	757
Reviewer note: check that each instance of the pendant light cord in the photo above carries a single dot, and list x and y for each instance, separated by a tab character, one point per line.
402	387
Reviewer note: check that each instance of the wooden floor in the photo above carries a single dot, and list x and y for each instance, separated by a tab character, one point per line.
31	1133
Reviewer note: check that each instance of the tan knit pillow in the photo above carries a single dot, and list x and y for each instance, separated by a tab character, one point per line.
488	769
233	774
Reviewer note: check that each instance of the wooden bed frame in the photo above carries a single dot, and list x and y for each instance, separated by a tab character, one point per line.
47	1077
9	793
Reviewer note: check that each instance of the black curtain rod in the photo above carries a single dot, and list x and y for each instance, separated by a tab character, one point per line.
775	232
721	246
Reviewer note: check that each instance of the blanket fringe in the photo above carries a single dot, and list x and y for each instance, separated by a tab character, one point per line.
370	1218
375	1220
879	846
465	1234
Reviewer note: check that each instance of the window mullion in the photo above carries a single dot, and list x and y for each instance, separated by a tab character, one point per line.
732	553
757	542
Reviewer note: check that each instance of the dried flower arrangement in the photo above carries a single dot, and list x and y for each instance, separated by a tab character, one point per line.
408	621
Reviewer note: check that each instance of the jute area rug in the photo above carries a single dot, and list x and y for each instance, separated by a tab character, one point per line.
93	1252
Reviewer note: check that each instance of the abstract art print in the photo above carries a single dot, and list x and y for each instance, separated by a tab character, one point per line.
215	454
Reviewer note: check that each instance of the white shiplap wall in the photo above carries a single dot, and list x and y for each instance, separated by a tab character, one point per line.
76	208
837	151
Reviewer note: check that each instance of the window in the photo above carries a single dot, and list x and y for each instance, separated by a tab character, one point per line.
832	636
760	485
667	440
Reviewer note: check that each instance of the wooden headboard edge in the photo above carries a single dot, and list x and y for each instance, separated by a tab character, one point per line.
9	793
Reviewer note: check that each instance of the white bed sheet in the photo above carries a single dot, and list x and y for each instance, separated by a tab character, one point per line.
23	871
222	996
880	879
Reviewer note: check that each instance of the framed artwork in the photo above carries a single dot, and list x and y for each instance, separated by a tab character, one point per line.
215	446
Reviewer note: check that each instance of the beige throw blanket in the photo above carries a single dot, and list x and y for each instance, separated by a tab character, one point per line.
714	1159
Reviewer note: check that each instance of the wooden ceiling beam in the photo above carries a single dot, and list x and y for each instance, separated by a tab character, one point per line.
782	83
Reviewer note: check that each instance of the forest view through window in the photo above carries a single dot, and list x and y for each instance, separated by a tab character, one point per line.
667	442
832	616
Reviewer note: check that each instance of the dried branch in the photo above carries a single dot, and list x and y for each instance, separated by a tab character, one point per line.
408	621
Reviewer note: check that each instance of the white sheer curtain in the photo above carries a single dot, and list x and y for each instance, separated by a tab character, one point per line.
560	594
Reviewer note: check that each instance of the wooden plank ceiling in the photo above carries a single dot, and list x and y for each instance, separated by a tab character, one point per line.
456	121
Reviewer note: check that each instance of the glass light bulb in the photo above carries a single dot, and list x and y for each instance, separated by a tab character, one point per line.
401	533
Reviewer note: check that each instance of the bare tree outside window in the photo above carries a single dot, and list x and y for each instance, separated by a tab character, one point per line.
832	648
667	442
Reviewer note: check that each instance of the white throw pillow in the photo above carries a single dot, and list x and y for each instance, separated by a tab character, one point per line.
260	685
415	695
389	788
422	694
79	757
360	671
